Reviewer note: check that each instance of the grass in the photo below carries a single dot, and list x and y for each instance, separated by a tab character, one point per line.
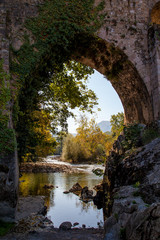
5	227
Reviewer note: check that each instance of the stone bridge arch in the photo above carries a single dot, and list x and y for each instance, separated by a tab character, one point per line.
114	64
127	50
127	27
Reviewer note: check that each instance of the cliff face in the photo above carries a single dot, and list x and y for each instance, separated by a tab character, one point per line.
132	193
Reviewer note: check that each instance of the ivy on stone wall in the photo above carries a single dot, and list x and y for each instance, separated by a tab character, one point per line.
7	135
5	94
53	34
49	42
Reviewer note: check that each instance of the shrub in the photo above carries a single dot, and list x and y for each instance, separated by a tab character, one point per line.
149	134
132	135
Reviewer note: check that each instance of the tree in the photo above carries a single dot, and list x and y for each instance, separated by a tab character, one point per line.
88	145
71	150
64	91
117	123
41	65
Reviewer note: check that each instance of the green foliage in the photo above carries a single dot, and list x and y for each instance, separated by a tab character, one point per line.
132	134
43	62
5	94
136	185
149	134
7	136
65	90
55	31
7	140
117	124
98	171
5	227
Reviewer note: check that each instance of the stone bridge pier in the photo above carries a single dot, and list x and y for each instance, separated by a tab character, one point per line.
127	52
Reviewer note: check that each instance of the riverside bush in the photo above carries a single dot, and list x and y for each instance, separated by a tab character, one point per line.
88	145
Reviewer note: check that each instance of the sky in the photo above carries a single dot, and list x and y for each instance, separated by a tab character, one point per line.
109	101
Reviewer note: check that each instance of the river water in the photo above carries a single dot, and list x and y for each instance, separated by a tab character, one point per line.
64	207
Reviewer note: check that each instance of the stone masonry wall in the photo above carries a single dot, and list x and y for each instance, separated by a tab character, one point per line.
127	26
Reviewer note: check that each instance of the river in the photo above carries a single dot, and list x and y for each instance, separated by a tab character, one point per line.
64	207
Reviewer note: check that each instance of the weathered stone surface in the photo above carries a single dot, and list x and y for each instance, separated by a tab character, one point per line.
28	206
127	52
127	33
142	166
9	174
145	224
133	185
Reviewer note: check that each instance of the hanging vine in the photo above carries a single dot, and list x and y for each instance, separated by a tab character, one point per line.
49	42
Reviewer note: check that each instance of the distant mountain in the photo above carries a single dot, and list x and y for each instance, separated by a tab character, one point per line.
105	126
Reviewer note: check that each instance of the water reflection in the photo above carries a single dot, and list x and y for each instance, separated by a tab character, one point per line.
63	207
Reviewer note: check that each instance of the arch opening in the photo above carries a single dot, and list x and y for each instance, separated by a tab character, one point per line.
124	77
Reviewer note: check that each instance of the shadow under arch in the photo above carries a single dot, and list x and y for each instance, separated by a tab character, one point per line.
125	79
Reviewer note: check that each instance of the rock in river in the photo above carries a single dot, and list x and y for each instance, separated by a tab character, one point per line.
76	188
65	226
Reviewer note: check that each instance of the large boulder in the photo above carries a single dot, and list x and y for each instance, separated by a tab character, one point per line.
132	194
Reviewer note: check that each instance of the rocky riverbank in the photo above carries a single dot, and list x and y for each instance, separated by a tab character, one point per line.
44	167
132	193
31	224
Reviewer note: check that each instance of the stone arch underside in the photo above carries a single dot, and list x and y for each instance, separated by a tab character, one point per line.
125	79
